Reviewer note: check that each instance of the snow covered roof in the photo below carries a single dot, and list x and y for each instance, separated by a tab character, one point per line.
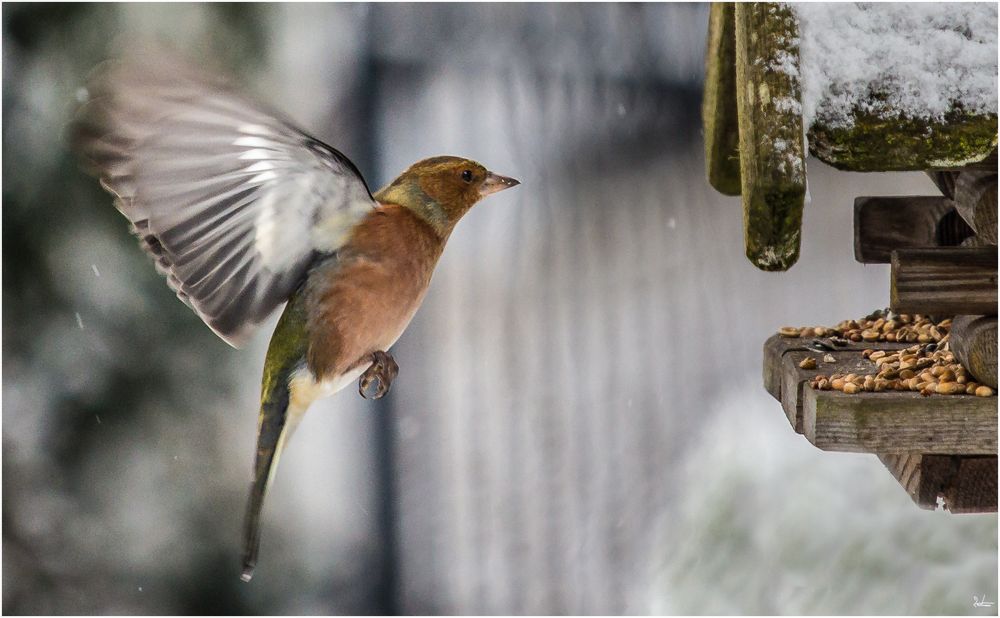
896	60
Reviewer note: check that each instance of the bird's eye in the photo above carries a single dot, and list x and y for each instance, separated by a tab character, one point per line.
467	176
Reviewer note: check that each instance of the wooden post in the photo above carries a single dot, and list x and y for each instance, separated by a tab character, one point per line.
718	107
974	341
944	281
772	167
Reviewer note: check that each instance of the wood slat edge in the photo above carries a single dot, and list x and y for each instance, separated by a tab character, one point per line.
944	280
900	422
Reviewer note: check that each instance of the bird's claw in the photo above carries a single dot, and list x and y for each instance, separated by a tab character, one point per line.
377	379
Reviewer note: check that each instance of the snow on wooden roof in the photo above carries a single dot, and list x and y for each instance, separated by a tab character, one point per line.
896	60
862	87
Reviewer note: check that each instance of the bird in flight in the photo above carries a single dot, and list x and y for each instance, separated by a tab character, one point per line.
242	211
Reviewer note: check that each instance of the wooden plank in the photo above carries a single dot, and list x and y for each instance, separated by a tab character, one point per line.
944	280
777	346
718	105
785	380
772	150
900	422
795	379
873	143
963	484
974	341
883	224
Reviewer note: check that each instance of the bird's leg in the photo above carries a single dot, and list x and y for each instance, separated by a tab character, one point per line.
377	379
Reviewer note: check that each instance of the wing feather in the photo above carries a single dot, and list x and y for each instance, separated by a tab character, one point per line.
230	200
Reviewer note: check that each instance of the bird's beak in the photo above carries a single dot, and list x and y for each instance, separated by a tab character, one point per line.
496	182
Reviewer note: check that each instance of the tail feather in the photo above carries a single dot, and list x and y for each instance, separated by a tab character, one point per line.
276	424
280	412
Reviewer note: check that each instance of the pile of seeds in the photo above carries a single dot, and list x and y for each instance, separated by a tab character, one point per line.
883	325
926	369
929	367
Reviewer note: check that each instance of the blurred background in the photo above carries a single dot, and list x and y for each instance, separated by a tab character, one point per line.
579	423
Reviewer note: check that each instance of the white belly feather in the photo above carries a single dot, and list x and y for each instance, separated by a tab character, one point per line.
304	388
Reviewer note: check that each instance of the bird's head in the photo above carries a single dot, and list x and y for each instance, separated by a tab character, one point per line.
442	189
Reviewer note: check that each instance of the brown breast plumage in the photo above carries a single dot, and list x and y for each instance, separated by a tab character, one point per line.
361	301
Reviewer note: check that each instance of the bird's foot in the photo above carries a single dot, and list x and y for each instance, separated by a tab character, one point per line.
377	379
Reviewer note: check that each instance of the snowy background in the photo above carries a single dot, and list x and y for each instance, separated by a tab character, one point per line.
579	424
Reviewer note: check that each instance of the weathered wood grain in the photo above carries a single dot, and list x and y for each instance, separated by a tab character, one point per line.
718	105
905	468
795	380
774	349
976	201
883	224
785	380
900	422
772	150
964	484
944	280
872	143
777	346
974	341
972	485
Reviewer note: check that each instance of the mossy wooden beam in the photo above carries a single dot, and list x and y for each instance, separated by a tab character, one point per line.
872	143
718	105
772	166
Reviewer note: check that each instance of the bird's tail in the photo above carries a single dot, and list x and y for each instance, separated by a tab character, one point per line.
277	422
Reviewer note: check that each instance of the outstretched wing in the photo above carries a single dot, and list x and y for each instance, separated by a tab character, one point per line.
230	200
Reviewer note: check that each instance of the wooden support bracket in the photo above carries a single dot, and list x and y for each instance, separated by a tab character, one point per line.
960	484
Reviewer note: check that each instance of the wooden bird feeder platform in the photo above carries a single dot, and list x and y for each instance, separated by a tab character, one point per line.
907	431
942	249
